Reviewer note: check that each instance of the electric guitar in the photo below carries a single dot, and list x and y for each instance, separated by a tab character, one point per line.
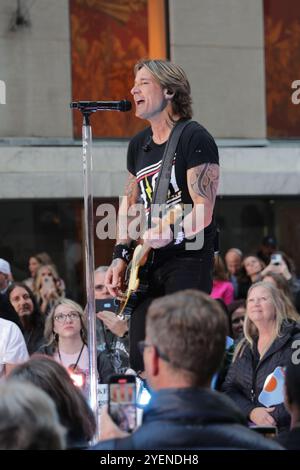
137	285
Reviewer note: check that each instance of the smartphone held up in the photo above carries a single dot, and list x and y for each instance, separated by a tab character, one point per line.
276	259
122	401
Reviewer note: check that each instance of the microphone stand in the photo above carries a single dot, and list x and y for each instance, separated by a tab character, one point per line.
87	162
86	108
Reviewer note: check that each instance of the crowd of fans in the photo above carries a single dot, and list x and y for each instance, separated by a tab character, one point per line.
236	345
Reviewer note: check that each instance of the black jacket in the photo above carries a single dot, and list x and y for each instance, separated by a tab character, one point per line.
190	418
291	439
243	377
34	338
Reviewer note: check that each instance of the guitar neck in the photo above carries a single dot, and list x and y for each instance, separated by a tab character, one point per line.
143	253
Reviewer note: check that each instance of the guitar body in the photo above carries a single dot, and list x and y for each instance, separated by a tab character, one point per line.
140	265
142	285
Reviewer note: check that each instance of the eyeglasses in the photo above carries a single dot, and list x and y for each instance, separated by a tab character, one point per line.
142	345
62	317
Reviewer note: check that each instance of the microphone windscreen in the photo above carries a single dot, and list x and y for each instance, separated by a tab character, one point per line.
125	105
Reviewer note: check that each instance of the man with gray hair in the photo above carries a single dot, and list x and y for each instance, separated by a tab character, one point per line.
233	261
184	347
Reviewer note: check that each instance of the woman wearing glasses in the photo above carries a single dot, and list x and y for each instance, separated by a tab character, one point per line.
66	341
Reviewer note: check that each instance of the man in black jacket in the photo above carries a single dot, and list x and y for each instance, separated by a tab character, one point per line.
291	440
184	347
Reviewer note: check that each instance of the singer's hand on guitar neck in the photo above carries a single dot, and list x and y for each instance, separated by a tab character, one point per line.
159	236
114	278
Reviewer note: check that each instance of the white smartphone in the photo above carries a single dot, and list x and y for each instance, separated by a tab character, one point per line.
276	259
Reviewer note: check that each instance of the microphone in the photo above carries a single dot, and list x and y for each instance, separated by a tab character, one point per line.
93	106
147	146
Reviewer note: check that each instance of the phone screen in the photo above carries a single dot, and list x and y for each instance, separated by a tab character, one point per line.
276	259
110	305
122	401
48	283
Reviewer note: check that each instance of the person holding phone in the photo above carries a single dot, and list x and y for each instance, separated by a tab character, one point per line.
111	329
183	349
48	287
281	264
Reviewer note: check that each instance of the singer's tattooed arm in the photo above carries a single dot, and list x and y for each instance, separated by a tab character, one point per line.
203	181
131	197
203	184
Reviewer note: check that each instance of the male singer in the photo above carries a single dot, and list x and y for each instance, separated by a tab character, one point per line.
162	95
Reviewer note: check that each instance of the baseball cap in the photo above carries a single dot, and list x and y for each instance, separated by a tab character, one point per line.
269	241
4	267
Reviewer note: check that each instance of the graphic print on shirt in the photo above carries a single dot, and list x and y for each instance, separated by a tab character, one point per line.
147	178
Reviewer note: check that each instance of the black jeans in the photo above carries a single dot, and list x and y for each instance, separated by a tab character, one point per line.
173	275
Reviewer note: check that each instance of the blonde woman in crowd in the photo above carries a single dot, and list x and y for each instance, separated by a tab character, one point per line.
66	340
48	287
269	335
34	263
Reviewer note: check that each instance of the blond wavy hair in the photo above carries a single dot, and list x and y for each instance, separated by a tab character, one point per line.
49	335
281	310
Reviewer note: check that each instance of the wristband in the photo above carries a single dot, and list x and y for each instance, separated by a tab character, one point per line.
177	229
122	252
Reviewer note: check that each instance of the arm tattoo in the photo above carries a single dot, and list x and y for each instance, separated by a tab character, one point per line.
204	180
131	189
130	198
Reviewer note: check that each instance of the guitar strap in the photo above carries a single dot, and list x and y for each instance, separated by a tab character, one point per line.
163	179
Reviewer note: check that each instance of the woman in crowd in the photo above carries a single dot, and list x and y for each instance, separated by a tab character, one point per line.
253	267
48	287
250	273
73	410
24	304
285	267
282	285
66	340
236	314
222	287
269	334
28	419
35	262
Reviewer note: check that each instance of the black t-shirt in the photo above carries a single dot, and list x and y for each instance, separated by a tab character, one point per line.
196	147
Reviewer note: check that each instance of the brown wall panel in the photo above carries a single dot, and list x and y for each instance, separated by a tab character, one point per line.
282	60
107	39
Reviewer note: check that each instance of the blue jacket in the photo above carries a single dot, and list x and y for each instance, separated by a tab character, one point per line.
190	418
